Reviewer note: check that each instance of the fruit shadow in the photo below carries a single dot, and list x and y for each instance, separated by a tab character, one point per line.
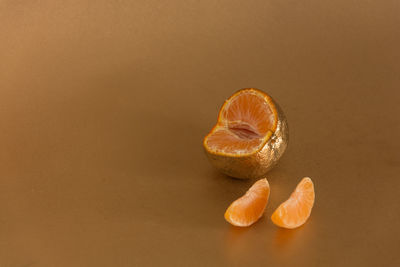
284	237
235	245
239	241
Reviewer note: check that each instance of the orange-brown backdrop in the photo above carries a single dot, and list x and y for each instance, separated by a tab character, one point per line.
104	104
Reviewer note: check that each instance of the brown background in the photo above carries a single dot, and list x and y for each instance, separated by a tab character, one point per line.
104	104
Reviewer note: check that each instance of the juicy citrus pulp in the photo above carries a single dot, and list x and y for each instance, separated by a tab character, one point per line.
295	211
246	121
249	208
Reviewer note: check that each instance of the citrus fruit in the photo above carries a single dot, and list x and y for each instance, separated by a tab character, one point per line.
295	211
249	208
250	136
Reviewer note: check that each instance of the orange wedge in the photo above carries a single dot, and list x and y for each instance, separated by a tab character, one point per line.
250	136
295	211
250	207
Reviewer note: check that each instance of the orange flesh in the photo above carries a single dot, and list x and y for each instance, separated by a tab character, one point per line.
295	211
250	207
245	123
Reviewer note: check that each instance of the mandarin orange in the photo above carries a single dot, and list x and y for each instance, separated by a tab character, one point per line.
250	136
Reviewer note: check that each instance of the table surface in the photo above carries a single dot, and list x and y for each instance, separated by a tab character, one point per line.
104	105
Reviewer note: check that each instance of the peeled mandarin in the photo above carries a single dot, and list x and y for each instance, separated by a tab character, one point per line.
250	136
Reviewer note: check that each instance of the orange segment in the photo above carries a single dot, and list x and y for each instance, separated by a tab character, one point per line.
246	121
250	207
295	211
250	109
225	141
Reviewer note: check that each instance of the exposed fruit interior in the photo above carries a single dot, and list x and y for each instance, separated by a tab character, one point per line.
295	211
249	208
245	122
